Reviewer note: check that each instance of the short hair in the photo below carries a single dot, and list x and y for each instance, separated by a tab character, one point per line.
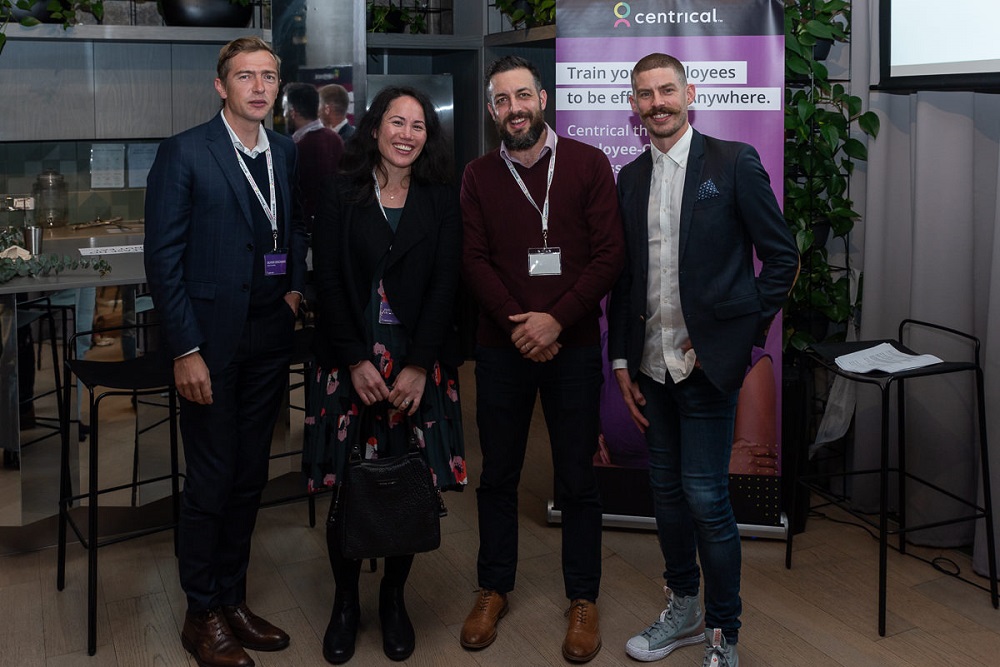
304	98
506	64
335	96
242	45
659	61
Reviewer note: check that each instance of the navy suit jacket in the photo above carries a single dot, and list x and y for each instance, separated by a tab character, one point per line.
199	251
726	307
420	278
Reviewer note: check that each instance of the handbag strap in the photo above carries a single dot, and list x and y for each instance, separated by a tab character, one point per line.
367	415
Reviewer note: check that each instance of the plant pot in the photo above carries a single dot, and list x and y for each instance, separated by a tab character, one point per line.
821	49
389	22
38	11
528	20
205	13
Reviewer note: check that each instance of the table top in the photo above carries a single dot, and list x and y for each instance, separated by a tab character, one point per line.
126	268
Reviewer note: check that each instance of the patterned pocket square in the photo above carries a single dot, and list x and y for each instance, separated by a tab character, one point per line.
707	190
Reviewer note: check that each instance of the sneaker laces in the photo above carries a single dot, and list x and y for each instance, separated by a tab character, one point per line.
715	653
666	622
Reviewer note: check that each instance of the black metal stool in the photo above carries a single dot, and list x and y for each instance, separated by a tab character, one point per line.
826	354
151	373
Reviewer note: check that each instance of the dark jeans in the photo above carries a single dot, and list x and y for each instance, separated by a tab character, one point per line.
226	449
507	386
690	439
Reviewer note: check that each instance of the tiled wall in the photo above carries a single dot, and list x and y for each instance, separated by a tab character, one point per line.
21	163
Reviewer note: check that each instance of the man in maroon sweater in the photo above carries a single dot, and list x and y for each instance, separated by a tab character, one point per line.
543	245
319	147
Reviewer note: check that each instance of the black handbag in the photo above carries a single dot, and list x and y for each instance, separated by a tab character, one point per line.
387	507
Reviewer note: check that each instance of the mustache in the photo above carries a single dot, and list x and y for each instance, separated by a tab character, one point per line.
660	109
517	116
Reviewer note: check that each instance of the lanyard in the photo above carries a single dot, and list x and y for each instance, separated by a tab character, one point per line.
271	211
378	196
544	212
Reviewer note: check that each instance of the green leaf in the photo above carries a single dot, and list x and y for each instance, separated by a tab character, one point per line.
805	110
797	65
819	29
869	123
855	149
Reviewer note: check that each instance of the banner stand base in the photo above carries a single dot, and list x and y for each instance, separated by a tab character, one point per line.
554	516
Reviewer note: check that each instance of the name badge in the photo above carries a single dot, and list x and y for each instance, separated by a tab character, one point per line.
544	261
385	314
276	262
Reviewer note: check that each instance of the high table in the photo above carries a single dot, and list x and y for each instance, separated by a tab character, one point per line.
32	492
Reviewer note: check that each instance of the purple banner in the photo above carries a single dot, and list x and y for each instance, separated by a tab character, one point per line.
733	52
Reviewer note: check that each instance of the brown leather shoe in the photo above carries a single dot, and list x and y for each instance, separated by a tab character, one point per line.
253	631
583	636
480	627
208	638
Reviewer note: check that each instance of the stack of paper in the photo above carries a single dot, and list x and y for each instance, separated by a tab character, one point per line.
884	357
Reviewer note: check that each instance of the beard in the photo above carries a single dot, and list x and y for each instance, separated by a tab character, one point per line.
528	138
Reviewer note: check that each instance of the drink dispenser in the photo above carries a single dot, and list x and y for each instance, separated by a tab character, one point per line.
51	199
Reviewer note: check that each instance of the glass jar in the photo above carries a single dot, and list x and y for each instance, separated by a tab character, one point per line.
51	199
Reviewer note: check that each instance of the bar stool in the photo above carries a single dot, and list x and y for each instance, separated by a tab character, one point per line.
151	373
826	354
41	310
302	363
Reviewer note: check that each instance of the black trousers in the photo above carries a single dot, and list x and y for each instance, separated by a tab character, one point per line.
569	385
226	450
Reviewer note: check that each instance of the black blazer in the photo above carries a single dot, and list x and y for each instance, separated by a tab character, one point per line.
727	211
420	279
199	228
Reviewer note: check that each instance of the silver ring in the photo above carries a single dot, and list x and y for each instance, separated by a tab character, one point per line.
406	404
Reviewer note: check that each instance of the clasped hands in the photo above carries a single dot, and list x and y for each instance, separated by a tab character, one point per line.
535	335
405	394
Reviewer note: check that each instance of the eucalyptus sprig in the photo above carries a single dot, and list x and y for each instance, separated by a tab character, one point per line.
40	265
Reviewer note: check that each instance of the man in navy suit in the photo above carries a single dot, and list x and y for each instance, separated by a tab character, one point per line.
682	321
225	262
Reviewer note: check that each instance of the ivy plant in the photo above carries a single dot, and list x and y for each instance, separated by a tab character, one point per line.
63	11
820	156
528	13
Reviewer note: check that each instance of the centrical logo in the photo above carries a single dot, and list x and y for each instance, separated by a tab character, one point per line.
622	11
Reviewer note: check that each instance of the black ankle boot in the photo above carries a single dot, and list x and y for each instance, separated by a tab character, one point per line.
338	642
397	631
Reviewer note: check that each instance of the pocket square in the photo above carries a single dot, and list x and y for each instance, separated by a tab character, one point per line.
707	190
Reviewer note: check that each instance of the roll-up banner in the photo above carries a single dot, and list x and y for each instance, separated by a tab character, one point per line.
733	52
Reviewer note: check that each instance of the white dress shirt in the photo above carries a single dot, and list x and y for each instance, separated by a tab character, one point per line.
667	347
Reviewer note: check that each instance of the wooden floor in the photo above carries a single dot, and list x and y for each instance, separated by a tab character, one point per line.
822	612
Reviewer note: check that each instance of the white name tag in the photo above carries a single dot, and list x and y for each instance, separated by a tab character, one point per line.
544	261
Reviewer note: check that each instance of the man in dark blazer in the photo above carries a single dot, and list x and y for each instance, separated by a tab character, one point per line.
682	321
225	262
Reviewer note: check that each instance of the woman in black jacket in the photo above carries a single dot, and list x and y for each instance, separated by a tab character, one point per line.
386	257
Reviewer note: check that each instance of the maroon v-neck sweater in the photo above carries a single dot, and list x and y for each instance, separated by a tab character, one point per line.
500	226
